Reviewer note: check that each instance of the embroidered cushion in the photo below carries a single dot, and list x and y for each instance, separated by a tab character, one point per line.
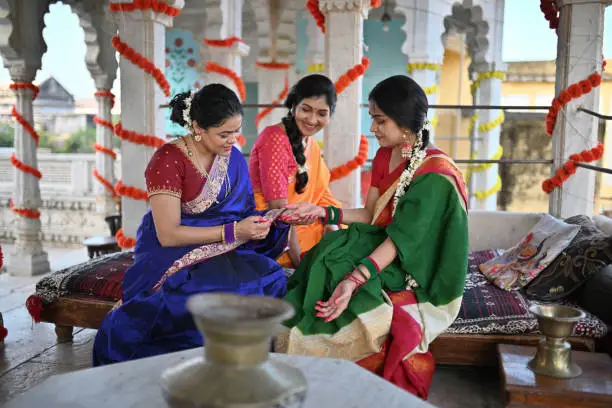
519	265
595	295
97	279
487	309
587	254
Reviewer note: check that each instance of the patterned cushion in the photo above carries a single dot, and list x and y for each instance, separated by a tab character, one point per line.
587	254
487	309
97	279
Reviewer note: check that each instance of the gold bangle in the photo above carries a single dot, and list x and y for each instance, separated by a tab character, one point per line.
234	231
222	234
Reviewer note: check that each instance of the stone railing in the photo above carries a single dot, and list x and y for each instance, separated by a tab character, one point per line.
68	213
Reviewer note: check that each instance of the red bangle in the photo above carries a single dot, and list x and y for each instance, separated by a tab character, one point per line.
375	264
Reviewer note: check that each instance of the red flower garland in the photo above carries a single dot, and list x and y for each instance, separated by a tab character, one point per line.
105	150
104	182
155	5
105	93
551	14
228	42
132	192
123	241
24	212
569	167
139	60
345	169
574	91
273	65
138	138
352	75
220	69
24	167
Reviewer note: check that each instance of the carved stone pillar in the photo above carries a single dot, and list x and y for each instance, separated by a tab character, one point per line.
102	65
315	51
579	54
22	49
482	23
223	22
424	51
141	97
344	50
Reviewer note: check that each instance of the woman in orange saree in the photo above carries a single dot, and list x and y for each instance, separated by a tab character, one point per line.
380	291
285	164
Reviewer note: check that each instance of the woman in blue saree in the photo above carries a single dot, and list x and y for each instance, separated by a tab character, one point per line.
201	235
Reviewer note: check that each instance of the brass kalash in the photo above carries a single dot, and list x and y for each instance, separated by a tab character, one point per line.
554	355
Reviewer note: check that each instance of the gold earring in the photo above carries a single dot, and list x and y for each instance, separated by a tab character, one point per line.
197	137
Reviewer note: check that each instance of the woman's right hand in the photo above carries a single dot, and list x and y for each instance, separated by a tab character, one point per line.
302	213
253	227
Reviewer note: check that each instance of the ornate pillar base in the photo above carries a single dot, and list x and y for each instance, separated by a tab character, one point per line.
27	257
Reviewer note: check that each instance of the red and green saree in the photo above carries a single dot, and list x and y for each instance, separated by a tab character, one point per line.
390	322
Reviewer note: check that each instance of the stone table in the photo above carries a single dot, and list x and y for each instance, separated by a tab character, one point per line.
331	383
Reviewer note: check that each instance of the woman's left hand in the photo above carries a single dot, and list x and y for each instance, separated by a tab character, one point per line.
337	303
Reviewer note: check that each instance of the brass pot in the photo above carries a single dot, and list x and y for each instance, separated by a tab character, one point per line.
554	355
235	370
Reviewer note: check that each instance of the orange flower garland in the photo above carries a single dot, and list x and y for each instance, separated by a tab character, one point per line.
99	148
123	241
281	97
155	5
574	91
139	60
104	182
228	42
138	138
25	212
569	167
132	192
220	69
273	65
352	75
346	168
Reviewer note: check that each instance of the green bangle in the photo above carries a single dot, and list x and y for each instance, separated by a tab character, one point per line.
333	215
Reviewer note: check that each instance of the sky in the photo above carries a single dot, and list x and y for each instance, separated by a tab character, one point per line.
526	37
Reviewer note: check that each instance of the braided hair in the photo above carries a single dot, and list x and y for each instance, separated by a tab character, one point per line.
311	86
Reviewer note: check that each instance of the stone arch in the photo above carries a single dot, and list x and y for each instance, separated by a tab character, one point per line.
23	47
469	18
99	29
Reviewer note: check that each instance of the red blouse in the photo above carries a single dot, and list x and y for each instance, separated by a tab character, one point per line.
381	177
171	171
271	163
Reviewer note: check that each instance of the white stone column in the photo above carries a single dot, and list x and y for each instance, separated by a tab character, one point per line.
344	50
579	54
271	83
315	50
27	257
101	63
424	26
223	21
105	199
22	46
141	97
487	143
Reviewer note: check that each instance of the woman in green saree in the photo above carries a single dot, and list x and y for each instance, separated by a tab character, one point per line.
381	290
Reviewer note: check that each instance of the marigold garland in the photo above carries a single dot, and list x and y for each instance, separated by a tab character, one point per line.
155	5
574	91
228	42
139	60
123	241
105	93
24	167
105	150
104	182
220	69
25	212
129	191
138	138
273	65
352	75
569	168
345	169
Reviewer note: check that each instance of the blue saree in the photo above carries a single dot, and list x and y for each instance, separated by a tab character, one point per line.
152	317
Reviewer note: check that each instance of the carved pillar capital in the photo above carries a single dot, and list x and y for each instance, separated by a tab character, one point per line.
359	6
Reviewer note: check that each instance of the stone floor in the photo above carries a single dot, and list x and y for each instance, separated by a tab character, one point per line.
31	354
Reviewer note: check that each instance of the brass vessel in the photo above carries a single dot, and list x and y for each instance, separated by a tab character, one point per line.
554	355
235	370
